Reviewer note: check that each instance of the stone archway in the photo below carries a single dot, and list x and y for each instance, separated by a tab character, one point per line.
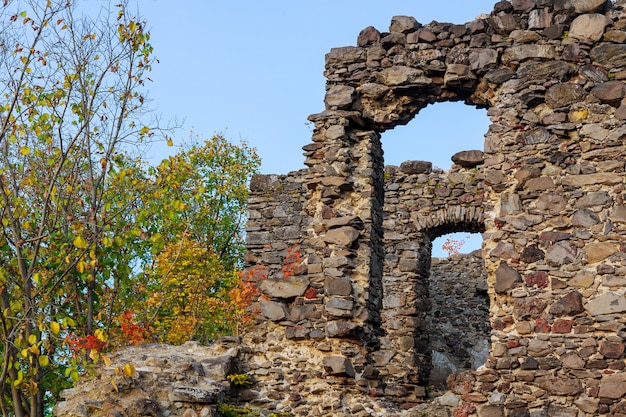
420	205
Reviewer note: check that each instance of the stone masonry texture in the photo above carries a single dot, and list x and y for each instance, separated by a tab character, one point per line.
350	332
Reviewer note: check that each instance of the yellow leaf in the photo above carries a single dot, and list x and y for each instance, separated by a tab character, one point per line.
74	375
144	130
93	354
32	339
114	386
101	335
170	142
24	150
105	359
129	370
44	360
55	327
81	243
80	267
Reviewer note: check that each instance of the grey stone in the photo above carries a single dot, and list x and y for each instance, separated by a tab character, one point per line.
403	24
416	167
339	96
483	58
585	218
198	395
607	303
273	310
339	366
284	287
609	55
561	253
564	94
524	52
506	278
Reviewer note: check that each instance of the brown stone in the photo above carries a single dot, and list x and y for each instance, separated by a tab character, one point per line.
561	385
368	36
609	55
339	96
462	383
570	304
585	218
589	27
541	183
613	386
610	92
597	252
403	24
562	326
552	203
540	279
338	286
343	236
525	308
611	350
468	159
491	411
273	310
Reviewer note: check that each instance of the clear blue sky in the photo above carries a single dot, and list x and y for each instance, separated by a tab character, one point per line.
254	71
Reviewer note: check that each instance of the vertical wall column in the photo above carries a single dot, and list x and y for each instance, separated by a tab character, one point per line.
345	202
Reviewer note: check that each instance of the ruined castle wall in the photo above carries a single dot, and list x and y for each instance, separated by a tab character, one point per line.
551	75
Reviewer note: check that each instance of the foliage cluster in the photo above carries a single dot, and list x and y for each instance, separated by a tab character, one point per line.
99	249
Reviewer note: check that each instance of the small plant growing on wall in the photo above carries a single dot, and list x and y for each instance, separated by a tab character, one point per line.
240	380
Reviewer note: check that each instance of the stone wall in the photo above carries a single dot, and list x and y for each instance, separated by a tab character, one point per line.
548	197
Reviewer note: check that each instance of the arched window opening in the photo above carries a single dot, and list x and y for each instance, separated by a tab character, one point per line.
436	133
458	319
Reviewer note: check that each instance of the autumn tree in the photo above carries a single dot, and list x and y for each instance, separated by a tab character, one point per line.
70	101
195	218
